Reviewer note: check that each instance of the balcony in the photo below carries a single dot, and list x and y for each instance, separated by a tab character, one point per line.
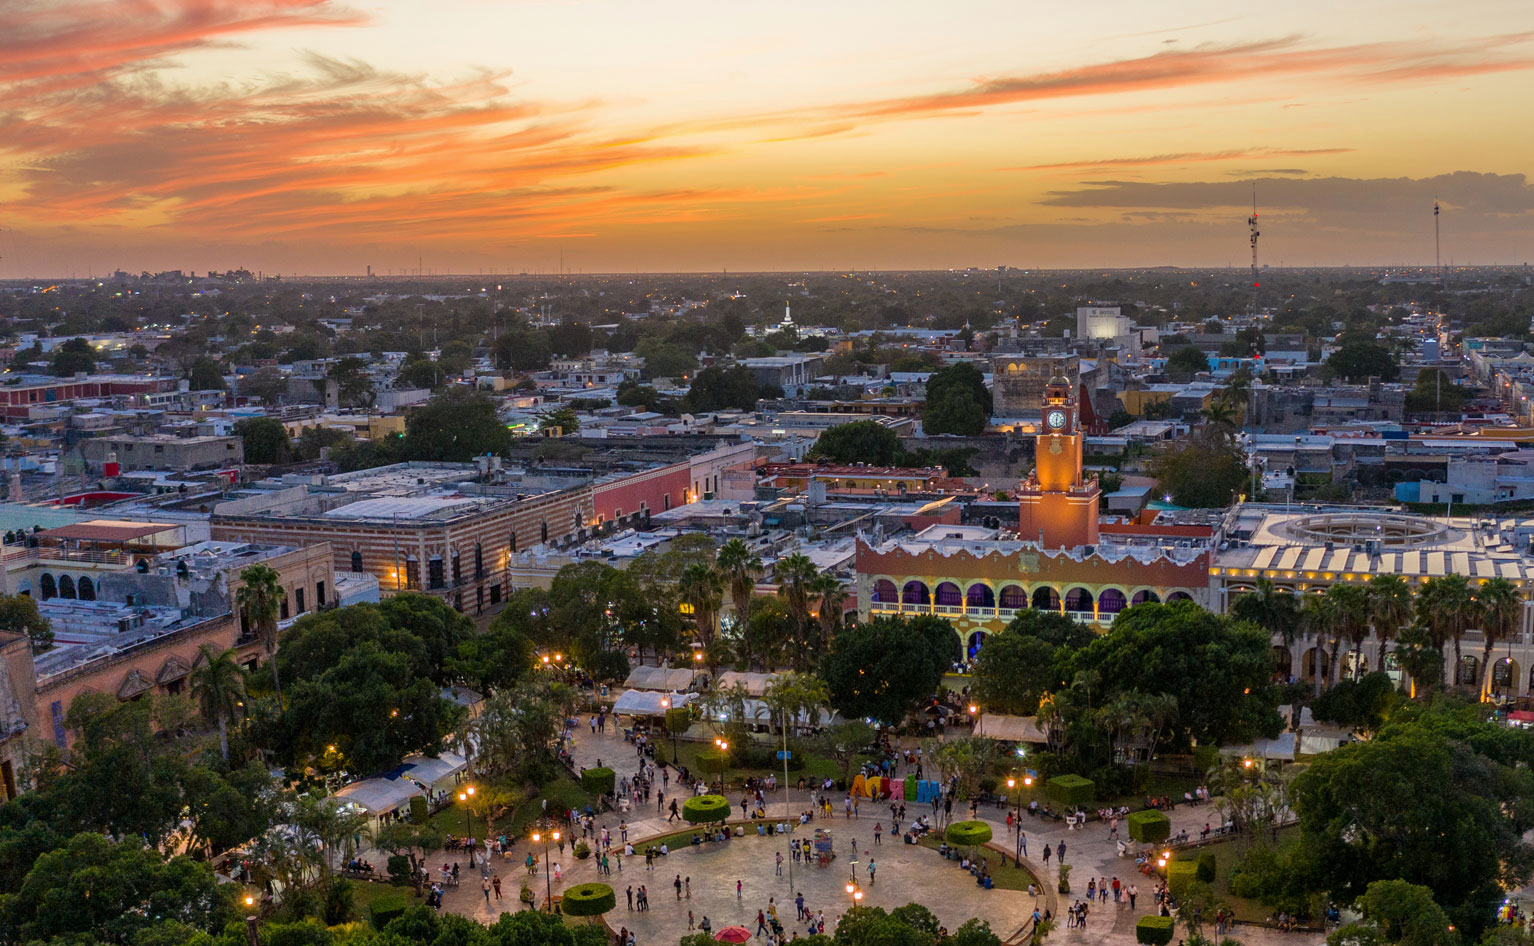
1102	618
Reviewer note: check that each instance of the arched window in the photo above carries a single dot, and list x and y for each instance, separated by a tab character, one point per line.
86	590
66	587
980	596
1111	601
1079	600
1145	597
356	561
479	561
884	591
457	566
544	537
948	595
1178	596
1046	598
1014	598
47	587
915	592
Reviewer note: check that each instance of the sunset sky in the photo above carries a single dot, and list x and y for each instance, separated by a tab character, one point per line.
318	137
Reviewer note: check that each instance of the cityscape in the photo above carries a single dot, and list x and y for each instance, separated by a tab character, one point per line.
602	475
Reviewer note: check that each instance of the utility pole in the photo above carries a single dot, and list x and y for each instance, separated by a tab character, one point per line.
1251	223
1437	247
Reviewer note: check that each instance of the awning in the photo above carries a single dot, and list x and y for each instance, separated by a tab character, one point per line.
432	772
756	684
659	678
379	796
1010	728
648	702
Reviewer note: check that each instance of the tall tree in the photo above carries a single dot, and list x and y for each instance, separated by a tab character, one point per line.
260	599
1390	609
831	600
19	613
700	587
1274	609
219	688
1447	605
1499	609
1319	619
795	575
1352	622
742	569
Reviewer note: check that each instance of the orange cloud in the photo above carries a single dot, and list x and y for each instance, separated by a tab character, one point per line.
1185	157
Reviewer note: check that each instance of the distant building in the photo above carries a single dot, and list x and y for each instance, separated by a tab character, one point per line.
159	452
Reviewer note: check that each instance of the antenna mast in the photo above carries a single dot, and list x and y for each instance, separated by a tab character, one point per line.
1437	251
1251	223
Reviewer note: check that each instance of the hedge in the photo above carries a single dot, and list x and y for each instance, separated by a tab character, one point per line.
678	718
1149	826
1070	789
1153	930
1179	874
386	908
968	833
1205	869
398	867
418	810
588	900
598	781
705	809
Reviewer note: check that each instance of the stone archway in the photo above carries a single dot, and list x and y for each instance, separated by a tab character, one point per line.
1046	598
915	592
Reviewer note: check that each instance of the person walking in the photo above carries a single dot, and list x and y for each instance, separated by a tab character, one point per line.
495	882
878	829
737	889
871	868
1060	852
761	923
484	885
1133	892
779	870
678	885
687	888
799	906
1022	839
630	893
1046	855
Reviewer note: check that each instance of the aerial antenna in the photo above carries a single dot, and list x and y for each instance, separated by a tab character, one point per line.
1437	247
1251	223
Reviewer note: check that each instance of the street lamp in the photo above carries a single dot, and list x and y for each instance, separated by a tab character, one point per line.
665	703
468	831
546	835
724	762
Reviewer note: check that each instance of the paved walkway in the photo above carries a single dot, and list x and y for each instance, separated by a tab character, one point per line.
905	873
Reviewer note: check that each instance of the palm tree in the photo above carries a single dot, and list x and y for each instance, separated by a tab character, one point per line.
260	599
1319	619
796	575
1352	622
1220	418
1390	609
1447	603
219	688
742	569
1274	609
833	599
1238	391
1499	605
701	588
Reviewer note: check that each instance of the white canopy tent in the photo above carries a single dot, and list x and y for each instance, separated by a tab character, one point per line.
435	773
756	684
379	796
648	702
1010	728
660	678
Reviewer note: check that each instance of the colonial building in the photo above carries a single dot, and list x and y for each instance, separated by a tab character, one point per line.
1061	558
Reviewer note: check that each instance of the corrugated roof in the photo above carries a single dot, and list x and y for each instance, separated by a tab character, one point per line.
107	530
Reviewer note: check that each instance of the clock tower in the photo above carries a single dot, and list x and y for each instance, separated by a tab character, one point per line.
1058	507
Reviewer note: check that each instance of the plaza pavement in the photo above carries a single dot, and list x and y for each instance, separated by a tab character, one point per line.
905	873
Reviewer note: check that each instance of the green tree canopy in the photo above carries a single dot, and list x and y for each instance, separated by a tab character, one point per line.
1217	670
958	401
1359	360
1186	361
19	613
716	389
455	426
1018	666
265	439
1201	475
206	375
862	441
884	668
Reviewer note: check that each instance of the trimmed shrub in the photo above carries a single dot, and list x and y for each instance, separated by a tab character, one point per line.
387	908
398	867
588	900
1179	874
1070	790
1149	826
678	718
598	781
1153	930
705	809
968	833
1205	869
582	850
418	810
339	907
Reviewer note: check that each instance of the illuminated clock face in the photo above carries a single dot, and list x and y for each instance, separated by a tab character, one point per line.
1055	419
